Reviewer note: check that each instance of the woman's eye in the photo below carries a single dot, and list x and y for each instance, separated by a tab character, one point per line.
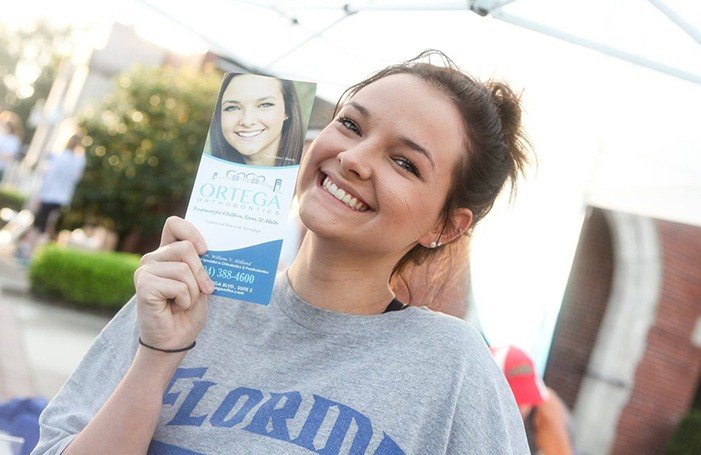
349	124
266	105
407	165
231	108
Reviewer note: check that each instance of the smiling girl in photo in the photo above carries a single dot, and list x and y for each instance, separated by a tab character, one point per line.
257	121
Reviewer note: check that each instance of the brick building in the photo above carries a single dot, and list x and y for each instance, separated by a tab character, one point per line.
626	352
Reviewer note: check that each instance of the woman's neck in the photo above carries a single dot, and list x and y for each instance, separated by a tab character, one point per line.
265	156
333	278
261	159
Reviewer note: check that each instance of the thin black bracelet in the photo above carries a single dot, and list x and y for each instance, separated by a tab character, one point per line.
169	351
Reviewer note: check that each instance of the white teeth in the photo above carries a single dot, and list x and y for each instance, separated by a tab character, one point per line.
249	133
342	196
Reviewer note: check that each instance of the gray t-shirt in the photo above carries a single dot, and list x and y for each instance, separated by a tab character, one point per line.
292	378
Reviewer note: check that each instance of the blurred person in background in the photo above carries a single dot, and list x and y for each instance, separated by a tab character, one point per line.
10	139
63	172
548	422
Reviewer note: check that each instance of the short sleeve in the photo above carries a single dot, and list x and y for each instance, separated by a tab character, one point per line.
486	419
91	384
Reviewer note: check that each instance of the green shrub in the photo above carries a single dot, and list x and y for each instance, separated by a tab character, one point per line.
143	146
95	280
687	439
12	199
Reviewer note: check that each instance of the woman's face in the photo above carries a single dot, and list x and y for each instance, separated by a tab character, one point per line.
252	115
391	150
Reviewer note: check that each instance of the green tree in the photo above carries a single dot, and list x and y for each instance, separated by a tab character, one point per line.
29	60
143	146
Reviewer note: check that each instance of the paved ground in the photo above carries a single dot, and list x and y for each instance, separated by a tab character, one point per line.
40	344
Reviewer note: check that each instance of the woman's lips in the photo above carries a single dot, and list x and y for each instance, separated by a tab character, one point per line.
251	134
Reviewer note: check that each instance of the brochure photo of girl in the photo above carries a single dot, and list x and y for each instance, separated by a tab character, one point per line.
257	121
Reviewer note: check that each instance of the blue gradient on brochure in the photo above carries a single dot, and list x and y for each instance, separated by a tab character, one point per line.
244	274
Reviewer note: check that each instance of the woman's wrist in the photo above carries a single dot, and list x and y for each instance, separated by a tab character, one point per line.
167	351
157	362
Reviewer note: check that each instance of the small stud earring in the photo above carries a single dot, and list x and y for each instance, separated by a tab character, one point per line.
434	244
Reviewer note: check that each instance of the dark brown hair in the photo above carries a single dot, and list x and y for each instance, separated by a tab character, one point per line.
292	135
496	148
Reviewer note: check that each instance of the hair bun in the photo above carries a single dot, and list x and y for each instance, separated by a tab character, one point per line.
508	104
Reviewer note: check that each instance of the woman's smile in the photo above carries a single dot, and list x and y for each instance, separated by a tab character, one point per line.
249	134
346	197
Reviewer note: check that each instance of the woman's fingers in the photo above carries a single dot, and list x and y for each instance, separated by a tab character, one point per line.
177	229
160	289
166	314
172	287
177	271
184	252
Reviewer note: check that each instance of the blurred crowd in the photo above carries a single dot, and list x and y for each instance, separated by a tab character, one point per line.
58	173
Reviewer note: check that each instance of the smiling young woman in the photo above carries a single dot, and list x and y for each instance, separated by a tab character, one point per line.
413	158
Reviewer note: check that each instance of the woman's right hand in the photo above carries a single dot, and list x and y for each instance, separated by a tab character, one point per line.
172	288
171	309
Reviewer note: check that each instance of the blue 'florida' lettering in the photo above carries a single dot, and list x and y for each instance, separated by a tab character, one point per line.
271	416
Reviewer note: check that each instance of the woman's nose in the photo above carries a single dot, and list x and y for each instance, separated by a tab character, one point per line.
247	118
357	160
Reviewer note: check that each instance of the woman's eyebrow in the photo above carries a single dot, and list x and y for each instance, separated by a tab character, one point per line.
414	146
363	111
270	97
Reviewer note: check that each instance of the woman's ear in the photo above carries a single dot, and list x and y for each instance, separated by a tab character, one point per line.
446	231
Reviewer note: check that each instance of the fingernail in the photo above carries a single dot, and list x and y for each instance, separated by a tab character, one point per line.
210	286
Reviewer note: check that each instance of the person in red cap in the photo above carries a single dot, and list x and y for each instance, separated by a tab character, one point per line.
545	416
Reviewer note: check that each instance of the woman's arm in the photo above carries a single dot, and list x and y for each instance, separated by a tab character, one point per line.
550	423
171	306
126	422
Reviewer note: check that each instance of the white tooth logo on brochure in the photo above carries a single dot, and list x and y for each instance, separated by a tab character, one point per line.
246	179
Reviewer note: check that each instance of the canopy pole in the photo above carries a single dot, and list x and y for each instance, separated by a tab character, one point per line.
677	19
602	48
347	14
